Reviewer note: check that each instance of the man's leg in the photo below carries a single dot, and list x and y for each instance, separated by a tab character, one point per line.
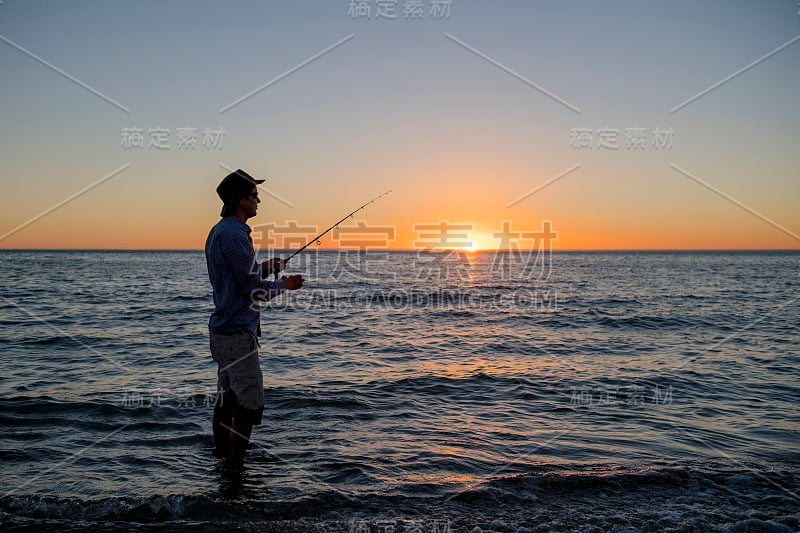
247	382
239	440
226	400
223	419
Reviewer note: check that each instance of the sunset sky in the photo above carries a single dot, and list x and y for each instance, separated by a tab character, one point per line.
464	110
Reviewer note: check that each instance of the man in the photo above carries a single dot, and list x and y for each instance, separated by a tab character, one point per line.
234	327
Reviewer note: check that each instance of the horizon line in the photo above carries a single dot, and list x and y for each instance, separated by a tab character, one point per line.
413	250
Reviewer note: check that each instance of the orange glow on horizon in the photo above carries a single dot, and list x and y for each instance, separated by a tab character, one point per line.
732	229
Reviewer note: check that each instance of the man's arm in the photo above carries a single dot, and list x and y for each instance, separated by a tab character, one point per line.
240	256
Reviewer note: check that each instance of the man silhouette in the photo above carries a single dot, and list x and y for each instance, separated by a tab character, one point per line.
234	327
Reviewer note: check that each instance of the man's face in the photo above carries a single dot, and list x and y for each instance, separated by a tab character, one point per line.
250	203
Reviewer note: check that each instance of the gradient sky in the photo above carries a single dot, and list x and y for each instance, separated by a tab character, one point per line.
402	106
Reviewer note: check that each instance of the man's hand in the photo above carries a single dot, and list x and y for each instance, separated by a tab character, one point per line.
273	266
293	282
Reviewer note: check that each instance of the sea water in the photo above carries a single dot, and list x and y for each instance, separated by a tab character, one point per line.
409	392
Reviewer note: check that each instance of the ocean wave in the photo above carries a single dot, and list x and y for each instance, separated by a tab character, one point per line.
645	322
61	340
435	385
722	496
294	401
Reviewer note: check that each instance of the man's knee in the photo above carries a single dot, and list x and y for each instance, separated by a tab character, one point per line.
250	417
225	404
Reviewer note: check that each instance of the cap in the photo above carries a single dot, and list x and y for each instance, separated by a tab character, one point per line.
235	185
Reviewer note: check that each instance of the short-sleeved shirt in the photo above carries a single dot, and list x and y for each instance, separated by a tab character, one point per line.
236	278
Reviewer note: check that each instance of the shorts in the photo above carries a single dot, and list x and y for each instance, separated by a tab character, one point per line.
239	373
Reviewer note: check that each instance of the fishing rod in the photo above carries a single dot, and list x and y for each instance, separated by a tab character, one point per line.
318	237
